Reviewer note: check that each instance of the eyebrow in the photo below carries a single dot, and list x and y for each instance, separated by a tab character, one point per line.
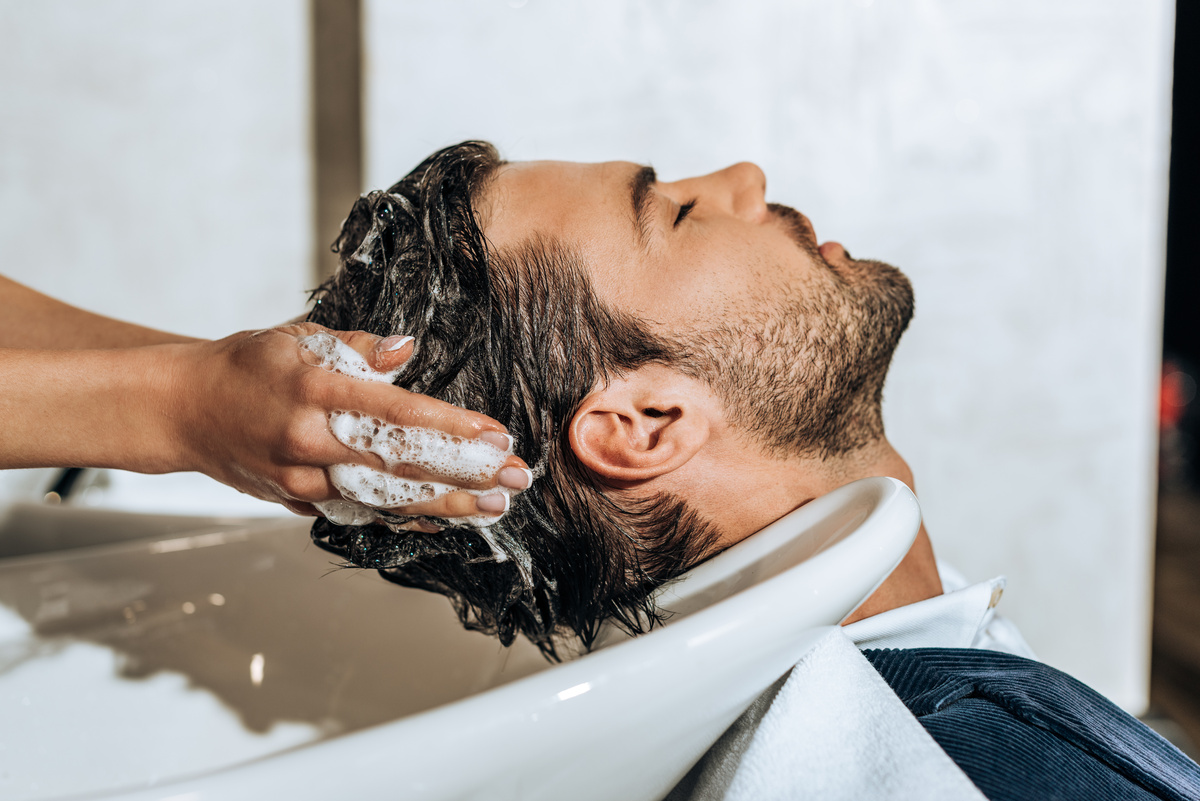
640	184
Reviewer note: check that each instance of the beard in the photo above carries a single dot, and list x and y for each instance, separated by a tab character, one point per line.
801	366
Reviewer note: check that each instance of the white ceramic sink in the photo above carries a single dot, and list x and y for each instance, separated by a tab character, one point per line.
239	664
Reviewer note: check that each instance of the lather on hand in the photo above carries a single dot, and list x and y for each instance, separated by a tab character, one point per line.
249	410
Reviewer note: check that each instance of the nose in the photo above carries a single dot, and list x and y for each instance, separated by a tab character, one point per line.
739	189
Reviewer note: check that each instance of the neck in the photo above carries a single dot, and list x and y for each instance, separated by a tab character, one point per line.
916	577
771	488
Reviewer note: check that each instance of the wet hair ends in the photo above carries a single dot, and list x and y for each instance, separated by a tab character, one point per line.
521	337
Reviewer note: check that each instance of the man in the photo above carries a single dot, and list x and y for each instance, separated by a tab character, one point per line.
681	362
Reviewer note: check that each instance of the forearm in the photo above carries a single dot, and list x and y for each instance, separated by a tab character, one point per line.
34	320
248	410
89	408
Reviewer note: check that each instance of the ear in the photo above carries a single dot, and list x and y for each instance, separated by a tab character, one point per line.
642	425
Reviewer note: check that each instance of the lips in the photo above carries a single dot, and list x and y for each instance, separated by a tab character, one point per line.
832	250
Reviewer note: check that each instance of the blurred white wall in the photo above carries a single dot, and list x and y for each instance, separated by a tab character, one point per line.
1009	155
154	160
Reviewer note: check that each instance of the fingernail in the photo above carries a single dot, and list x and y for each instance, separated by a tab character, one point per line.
493	503
392	343
502	441
517	478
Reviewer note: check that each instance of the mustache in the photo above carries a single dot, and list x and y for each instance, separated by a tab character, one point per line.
797	226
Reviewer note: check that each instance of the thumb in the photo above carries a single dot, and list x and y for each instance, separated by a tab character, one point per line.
390	353
384	354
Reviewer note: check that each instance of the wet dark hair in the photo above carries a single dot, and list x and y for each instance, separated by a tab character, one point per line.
521	337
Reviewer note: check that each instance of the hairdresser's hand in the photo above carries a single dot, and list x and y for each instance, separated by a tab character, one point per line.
254	415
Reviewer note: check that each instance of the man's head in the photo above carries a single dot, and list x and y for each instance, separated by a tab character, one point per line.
631	334
795	339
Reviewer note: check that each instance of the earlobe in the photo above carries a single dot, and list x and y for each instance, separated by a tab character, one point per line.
646	424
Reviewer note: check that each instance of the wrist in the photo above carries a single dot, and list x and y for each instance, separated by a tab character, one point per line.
180	399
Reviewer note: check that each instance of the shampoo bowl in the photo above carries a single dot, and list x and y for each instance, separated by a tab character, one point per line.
237	664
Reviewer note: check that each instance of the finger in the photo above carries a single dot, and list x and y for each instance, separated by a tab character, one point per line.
391	352
459	504
396	405
303	487
315	448
382	353
298	330
403	408
513	473
418	454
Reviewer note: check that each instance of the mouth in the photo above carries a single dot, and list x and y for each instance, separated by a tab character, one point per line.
797	224
801	229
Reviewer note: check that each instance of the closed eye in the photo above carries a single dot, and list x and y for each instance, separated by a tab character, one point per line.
684	211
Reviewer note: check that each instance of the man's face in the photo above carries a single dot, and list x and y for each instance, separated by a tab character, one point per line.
647	255
795	336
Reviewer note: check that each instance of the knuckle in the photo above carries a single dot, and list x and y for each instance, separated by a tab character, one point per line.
291	329
290	484
408	471
451	505
312	386
360	341
400	408
460	504
302	484
299	446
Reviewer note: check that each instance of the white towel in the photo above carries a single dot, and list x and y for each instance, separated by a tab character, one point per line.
834	730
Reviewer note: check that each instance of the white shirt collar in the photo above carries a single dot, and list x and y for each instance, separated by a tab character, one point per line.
963	617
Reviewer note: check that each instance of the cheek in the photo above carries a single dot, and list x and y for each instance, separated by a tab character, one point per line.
737	276
710	288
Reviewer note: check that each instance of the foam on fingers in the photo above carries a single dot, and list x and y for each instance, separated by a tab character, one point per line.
368	492
458	458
